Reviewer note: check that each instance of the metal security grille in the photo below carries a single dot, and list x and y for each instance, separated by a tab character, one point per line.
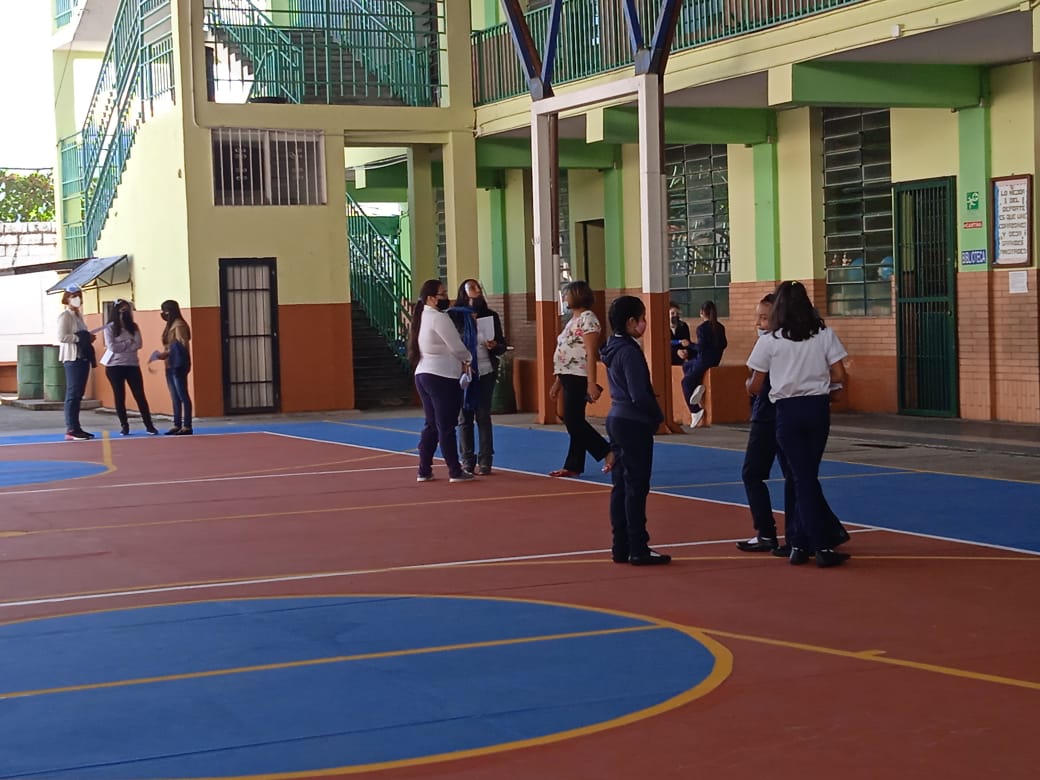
249	327
268	167
857	209
698	226
926	325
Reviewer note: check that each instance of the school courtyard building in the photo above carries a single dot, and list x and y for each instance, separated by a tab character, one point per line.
290	171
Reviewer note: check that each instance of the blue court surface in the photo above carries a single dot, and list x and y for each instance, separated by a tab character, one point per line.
268	685
999	513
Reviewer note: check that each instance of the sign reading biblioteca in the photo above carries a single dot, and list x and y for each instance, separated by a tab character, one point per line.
1012	220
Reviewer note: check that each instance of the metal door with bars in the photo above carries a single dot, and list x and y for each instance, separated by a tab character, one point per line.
249	331
926	324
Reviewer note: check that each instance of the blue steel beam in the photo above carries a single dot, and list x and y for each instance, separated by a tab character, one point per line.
663	35
552	37
640	53
525	49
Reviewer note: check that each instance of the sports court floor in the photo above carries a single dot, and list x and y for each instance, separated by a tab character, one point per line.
283	600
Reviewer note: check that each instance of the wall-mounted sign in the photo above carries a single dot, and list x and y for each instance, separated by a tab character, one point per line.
975	224
973	257
1013	220
971	201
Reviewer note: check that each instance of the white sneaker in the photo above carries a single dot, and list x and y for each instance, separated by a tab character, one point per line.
696	395
695	418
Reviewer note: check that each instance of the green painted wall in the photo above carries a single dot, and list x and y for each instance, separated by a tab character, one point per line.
973	178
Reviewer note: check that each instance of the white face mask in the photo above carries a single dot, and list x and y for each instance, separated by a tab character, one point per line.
75	302
762	331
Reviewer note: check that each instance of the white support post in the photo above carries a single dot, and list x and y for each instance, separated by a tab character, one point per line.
546	265
652	192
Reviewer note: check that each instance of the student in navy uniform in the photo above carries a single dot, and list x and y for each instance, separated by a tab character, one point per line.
803	358
680	332
631	423
699	357
758	463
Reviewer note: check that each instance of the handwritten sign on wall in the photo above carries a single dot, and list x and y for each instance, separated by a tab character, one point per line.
1013	220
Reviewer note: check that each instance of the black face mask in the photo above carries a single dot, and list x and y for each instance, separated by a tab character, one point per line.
164	315
443	304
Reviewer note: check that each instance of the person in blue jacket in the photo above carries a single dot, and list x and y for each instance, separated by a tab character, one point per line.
631	423
699	357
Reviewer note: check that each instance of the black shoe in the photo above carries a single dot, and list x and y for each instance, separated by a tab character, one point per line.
783	551
152	431
124	431
650	558
173	431
619	556
798	556
826	558
758	544
184	432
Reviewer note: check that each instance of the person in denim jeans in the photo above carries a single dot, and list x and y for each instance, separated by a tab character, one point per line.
176	339
76	353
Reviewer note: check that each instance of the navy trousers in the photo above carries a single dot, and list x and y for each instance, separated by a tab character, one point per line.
76	373
802	427
441	399
633	445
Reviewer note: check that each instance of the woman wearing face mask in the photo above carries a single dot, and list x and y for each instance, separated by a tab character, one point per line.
122	365
633	419
477	400
76	353
176	339
436	351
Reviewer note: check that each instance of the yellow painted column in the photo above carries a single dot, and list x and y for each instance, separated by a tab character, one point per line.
740	160
460	207
423	220
800	173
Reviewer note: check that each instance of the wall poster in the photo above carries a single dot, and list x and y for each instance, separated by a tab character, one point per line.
1013	220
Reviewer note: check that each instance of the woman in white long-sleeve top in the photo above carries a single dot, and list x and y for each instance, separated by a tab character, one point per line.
440	358
76	354
122	365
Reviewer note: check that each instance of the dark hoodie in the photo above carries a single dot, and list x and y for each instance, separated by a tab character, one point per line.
631	394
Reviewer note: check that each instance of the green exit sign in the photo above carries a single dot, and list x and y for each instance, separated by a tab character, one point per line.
971	200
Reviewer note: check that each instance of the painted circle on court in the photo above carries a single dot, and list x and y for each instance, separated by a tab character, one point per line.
28	472
285	686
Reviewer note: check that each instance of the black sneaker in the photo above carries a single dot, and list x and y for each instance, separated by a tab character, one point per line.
173	431
650	558
185	432
78	436
758	544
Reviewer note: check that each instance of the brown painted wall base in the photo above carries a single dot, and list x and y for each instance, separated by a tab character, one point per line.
8	377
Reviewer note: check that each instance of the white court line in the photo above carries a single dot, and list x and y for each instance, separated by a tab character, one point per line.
336	574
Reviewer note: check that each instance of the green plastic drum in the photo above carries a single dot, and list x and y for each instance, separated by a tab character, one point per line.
30	371
53	375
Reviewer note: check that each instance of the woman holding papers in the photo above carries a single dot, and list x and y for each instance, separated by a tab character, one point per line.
489	344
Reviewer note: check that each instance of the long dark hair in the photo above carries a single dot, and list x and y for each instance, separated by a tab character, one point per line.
462	299
118	321
793	314
622	309
172	310
429	288
711	311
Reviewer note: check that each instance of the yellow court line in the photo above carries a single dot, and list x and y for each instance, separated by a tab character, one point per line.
298	512
106	452
875	656
328	660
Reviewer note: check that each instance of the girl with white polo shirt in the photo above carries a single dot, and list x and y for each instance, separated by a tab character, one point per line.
802	357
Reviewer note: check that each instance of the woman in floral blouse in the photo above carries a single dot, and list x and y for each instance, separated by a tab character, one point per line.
574	364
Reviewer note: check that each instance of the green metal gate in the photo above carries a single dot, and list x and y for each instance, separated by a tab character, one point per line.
926	324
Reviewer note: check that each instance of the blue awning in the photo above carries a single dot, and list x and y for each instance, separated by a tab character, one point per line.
101	270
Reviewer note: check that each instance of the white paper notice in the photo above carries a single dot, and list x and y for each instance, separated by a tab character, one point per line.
486	329
1018	282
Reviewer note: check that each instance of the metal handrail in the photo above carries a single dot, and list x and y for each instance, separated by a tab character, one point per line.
379	280
591	43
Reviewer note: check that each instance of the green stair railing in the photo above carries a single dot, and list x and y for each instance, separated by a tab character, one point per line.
71	192
136	78
379	280
591	42
274	58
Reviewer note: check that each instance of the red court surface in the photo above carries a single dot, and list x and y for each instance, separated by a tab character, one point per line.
918	659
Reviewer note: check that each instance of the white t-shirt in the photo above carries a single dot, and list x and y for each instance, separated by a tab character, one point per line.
797	368
440	346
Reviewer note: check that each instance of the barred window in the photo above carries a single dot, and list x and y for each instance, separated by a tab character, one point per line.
268	167
698	226
857	208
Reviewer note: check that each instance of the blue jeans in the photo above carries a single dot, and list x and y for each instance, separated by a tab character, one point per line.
485	388
76	373
441	399
177	382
